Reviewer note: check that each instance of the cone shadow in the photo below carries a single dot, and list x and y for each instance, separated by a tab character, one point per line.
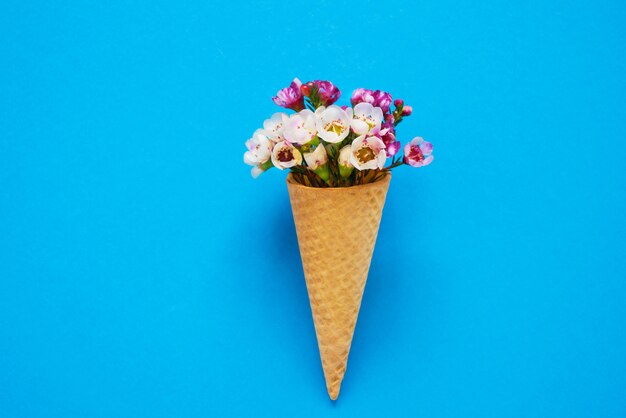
389	290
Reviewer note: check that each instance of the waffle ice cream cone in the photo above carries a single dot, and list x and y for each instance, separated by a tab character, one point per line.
337	230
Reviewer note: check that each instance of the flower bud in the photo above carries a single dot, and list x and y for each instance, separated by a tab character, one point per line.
407	110
398	102
317	161
316	158
345	171
323	171
345	166
307	88
256	172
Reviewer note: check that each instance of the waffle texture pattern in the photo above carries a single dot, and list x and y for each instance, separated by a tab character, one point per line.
337	229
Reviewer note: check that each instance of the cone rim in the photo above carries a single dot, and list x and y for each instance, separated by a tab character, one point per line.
293	183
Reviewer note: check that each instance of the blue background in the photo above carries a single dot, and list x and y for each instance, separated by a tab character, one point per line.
144	273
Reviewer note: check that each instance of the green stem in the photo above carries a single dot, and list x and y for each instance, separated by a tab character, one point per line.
395	164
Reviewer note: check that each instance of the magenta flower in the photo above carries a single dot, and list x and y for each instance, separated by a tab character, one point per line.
290	97
376	98
328	92
388	135
383	100
393	148
417	153
387	125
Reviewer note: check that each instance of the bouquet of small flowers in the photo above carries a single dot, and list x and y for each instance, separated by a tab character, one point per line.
325	145
337	185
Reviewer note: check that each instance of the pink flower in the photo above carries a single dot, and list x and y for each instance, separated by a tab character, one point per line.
376	98
417	153
407	110
327	91
362	95
290	97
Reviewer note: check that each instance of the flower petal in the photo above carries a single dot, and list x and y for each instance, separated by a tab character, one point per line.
381	158
359	127
256	171
426	147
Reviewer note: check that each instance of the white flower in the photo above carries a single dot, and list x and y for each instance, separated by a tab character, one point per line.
333	123
259	148
366	119
274	126
300	128
368	153
316	158
285	155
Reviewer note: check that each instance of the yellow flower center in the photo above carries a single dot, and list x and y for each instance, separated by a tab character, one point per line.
335	126
365	154
367	119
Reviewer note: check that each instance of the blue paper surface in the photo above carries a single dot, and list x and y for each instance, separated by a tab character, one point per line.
143	272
